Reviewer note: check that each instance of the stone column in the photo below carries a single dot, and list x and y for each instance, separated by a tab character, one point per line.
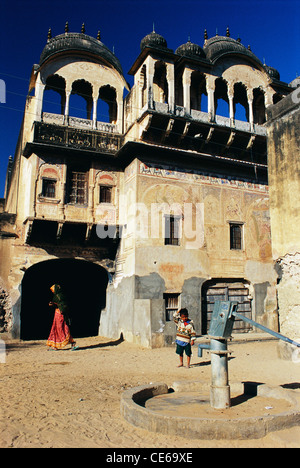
171	86
211	101
186	82
230	94
95	102
119	120
140	87
39	95
66	117
150	76
250	104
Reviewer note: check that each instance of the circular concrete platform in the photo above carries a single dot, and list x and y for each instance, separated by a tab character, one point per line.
189	414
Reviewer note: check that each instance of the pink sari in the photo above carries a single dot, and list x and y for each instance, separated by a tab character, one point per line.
60	334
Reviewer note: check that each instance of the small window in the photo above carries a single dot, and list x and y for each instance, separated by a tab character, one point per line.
105	194
236	231
172	230
171	305
48	188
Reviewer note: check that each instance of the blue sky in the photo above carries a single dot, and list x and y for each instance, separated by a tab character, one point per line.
271	27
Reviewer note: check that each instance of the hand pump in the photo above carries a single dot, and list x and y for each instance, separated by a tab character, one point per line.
221	326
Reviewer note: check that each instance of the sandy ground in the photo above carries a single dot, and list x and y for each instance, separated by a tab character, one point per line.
71	399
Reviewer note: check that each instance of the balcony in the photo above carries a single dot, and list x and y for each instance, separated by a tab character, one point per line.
79	134
195	132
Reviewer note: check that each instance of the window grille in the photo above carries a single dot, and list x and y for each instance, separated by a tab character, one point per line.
171	305
236	236
78	188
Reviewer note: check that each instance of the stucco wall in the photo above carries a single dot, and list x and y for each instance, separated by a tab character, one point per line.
284	180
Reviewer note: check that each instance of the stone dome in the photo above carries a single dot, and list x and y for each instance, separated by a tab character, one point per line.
154	40
218	46
81	43
190	50
272	72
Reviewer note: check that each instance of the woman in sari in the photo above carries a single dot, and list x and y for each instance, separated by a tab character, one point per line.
60	334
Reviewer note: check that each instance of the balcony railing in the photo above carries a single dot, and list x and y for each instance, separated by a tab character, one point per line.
76	138
76	122
204	117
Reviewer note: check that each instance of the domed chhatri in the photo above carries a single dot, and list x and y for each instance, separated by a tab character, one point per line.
218	46
154	40
190	50
272	72
78	42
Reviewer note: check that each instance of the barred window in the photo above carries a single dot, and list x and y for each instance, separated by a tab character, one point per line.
171	305
48	188
77	192
236	231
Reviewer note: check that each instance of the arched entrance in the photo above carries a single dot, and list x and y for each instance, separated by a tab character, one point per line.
226	290
85	286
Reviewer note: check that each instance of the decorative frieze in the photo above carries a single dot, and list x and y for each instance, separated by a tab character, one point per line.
193	176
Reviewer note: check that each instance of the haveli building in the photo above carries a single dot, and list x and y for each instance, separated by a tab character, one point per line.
162	204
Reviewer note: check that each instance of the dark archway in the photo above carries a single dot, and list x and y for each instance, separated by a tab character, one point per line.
85	286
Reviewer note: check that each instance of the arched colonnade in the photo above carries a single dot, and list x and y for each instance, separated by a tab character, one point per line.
199	91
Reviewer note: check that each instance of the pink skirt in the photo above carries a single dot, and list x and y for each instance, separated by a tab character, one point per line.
60	334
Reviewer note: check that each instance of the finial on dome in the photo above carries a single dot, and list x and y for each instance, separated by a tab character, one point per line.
67	27
153	27
99	36
217	32
205	35
249	47
49	36
239	39
227	32
83	28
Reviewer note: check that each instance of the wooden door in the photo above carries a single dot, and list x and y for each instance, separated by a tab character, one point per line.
226	290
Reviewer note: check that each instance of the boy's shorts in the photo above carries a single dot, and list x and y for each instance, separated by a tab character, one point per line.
181	349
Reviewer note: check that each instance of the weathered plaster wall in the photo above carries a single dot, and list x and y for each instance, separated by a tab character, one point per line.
284	180
146	268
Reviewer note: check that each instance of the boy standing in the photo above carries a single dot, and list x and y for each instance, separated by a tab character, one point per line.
185	336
